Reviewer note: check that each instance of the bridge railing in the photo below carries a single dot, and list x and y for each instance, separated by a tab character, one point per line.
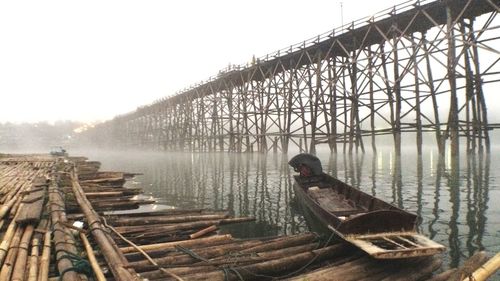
399	8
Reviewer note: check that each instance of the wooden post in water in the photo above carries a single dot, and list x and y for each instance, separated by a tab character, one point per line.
451	64
440	140
472	125
332	78
288	107
397	92
483	130
352	69
371	68
418	117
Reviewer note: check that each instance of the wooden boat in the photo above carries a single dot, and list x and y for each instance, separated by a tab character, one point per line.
107	175
107	179
381	229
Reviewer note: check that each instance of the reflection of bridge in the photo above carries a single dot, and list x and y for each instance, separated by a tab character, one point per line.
422	67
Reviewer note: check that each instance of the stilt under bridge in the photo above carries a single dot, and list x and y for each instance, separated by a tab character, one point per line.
423	67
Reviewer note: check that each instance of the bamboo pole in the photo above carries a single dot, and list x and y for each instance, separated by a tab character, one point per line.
282	242
92	259
5	208
33	260
209	249
22	255
186	243
6	271
486	270
43	273
165	228
261	256
204	231
115	259
206	252
166	220
469	266
270	268
158	275
7	239
63	241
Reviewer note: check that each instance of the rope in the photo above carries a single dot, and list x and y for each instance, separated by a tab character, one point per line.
293	272
93	228
142	252
229	269
191	253
226	269
80	265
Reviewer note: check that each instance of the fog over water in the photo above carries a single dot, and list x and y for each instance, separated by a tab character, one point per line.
457	207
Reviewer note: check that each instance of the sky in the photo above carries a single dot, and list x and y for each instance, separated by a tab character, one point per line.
92	60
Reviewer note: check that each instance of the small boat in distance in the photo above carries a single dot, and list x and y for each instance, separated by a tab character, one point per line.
58	151
382	230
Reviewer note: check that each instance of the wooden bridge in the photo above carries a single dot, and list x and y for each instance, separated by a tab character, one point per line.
422	67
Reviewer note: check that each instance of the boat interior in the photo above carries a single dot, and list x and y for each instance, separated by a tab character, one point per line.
340	199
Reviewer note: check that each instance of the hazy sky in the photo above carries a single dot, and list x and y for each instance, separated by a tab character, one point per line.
92	60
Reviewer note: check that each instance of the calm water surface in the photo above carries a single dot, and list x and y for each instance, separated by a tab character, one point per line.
460	208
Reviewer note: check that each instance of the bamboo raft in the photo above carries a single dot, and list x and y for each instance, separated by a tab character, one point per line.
62	219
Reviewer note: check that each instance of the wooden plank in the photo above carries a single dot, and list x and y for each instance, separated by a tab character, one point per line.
331	200
40	181
30	209
422	246
394	242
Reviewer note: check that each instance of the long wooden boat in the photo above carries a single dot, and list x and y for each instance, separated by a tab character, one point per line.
381	229
106	175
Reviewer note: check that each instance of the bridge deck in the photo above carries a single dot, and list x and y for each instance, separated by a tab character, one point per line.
419	19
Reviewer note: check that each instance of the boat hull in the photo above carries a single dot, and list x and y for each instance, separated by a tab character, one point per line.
378	228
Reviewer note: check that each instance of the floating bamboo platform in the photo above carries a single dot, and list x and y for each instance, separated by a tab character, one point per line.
62	219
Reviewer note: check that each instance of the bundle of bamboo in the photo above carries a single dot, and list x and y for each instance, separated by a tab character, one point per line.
23	182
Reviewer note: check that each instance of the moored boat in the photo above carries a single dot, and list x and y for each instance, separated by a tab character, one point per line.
381	229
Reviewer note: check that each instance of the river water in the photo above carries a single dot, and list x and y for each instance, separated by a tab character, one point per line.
459	207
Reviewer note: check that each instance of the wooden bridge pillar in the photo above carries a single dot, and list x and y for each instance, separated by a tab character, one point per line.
451	64
397	94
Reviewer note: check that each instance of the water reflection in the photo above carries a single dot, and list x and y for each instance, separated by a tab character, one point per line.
453	185
436	172
397	182
452	200
477	183
246	185
420	184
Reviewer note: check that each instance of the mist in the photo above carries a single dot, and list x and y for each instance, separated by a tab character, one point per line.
36	137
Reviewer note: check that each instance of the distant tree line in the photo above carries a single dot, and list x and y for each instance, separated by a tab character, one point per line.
38	136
